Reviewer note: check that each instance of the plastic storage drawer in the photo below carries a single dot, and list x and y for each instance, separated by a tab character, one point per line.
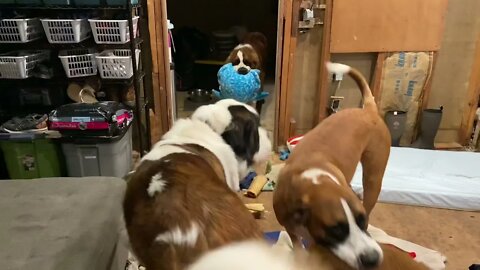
97	157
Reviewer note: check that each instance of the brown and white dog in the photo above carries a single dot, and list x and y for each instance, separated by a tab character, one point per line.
251	53
180	201
313	198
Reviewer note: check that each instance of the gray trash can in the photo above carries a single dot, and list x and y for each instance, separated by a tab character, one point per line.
101	156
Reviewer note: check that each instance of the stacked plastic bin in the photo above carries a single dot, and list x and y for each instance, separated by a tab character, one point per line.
96	138
31	155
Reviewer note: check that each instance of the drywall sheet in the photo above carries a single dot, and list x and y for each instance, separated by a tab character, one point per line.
403	81
387	25
305	79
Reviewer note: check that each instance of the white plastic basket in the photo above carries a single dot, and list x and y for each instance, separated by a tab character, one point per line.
112	31
66	30
116	64
19	64
78	62
20	30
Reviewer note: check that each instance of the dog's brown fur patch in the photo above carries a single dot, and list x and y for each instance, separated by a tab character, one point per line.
195	191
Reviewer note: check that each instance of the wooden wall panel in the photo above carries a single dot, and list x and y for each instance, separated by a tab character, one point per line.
387	25
451	79
306	79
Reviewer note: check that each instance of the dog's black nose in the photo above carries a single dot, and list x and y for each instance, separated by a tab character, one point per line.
370	259
242	70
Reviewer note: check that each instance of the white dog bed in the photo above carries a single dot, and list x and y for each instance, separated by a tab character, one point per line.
443	179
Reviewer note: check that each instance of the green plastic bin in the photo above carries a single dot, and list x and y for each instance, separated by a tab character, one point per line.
31	156
57	2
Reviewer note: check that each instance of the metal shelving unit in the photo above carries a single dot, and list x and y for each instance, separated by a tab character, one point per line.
137	80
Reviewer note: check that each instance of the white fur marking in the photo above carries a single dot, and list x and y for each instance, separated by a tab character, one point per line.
241	64
180	238
240	55
338	69
157	184
314	173
159	151
217	117
239	46
357	243
237	255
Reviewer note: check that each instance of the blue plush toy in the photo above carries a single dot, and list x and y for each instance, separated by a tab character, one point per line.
243	88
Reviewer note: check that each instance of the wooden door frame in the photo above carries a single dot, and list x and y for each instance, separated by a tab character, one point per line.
161	117
287	31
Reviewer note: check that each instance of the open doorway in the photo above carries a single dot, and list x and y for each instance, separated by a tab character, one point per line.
203	34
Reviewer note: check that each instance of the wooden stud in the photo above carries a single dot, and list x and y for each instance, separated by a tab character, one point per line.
153	34
428	82
154	129
289	44
291	67
160	66
376	82
472	98
278	70
323	93
166	63
155	122
293	127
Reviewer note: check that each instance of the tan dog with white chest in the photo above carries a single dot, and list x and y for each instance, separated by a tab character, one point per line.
313	198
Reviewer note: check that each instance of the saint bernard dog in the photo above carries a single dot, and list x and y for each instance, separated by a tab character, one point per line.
251	53
181	199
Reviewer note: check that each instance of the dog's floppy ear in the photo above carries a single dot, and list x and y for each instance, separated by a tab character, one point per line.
242	133
251	136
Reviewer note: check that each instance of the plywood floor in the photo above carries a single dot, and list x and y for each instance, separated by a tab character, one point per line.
454	233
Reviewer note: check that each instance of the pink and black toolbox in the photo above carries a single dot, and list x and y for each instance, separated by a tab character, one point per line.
106	118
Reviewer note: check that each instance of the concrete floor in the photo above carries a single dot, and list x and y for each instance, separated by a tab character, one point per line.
267	118
456	234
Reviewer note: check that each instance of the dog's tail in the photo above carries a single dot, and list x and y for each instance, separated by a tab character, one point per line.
341	69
